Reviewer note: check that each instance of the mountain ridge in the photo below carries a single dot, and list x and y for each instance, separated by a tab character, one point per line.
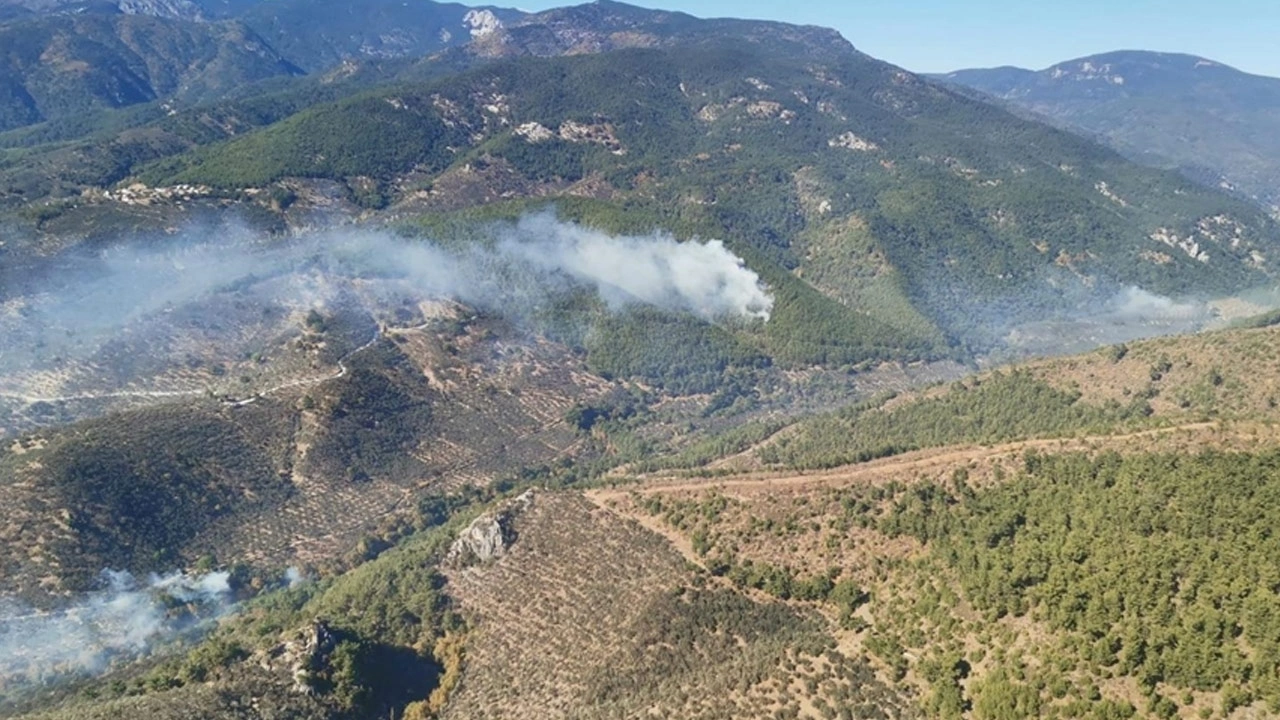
1215	123
611	362
61	66
913	208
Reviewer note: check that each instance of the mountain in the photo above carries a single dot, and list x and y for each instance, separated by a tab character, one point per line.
913	221
65	65
172	9
1214	123
615	363
928	214
67	59
966	555
151	483
319	35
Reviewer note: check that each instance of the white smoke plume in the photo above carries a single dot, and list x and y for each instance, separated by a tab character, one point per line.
124	618
1138	304
89	300
703	278
293	577
1127	314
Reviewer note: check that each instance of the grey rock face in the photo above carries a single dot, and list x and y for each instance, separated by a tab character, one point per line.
489	536
304	655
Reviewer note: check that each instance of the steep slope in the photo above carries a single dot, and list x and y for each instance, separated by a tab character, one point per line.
920	220
1216	124
308	448
99	149
627	625
60	66
1017	533
887	191
579	612
318	35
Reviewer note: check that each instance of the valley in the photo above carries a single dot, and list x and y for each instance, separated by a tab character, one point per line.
825	593
417	360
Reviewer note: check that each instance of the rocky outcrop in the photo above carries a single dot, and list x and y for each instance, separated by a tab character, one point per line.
489	536
175	9
534	132
600	133
303	656
849	141
481	23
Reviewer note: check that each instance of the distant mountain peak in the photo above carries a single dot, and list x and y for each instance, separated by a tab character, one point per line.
1085	71
1098	66
1215	123
178	9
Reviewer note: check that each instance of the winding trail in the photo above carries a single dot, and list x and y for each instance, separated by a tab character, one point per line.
341	373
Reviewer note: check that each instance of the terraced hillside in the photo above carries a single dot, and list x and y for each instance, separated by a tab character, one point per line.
296	474
985	576
584	613
590	615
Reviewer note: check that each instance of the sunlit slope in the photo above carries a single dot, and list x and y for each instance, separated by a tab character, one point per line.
1214	123
896	196
298	473
975	561
1081	537
1216	378
937	221
583	613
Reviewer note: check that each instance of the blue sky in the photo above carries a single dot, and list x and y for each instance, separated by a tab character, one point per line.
940	35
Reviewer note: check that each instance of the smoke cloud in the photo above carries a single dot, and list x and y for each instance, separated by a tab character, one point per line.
87	301
96	325
123	619
702	278
1127	314
293	577
1134	303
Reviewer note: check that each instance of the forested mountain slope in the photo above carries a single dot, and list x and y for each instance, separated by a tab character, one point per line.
990	575
1019	532
61	66
862	179
1214	123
